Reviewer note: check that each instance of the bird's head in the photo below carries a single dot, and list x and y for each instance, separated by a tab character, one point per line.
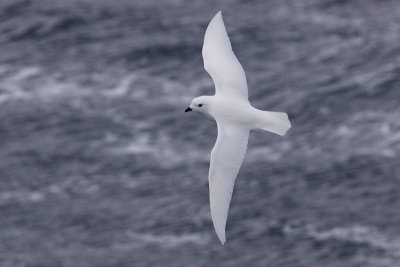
200	104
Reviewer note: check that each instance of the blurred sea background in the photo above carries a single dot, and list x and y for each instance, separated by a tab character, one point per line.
99	165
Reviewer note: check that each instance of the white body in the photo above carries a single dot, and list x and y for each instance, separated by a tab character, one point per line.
235	117
236	111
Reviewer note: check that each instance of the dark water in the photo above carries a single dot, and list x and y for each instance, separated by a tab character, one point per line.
99	166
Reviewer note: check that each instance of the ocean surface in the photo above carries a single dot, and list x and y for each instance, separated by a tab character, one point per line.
100	166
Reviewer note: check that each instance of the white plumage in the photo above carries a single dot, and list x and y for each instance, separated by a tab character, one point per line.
220	61
234	115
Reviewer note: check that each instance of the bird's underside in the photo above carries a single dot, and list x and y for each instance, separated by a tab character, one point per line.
228	107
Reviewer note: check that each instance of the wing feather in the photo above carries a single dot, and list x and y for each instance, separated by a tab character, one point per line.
226	158
220	61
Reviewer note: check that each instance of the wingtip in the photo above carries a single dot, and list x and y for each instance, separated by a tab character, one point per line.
222	240
219	14
221	236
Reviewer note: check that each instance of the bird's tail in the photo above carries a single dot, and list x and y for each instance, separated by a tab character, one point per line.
275	122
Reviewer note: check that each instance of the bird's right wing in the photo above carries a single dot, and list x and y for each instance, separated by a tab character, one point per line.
220	61
226	158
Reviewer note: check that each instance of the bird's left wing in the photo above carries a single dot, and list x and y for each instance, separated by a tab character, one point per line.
226	159
220	61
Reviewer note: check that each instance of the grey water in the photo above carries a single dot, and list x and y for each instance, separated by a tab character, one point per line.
100	166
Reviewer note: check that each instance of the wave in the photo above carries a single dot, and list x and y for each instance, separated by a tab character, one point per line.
365	237
170	240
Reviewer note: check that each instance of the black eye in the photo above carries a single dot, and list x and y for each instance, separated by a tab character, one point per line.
200	105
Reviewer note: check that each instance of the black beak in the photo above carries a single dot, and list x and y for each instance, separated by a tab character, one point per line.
188	109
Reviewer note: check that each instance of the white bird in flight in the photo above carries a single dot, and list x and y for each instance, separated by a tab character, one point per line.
234	115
